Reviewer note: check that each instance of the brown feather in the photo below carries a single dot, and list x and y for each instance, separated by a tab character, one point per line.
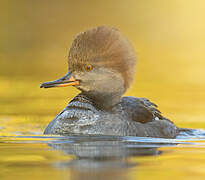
105	47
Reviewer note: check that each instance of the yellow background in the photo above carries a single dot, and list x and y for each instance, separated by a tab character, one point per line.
35	36
168	35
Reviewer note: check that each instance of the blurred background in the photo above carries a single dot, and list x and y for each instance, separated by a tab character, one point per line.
35	36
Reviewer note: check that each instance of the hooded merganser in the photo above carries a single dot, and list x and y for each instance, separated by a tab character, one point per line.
102	65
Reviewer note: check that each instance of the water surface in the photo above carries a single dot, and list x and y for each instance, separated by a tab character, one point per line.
101	157
35	36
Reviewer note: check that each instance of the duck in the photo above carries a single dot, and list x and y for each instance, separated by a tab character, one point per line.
101	64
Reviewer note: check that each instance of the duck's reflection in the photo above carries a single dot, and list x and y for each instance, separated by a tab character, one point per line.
102	159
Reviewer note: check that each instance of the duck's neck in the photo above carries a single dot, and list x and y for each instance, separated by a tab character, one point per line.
104	100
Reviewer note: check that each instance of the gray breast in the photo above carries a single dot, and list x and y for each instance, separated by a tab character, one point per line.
81	116
79	113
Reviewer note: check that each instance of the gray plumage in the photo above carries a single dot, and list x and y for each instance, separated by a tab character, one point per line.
131	117
102	65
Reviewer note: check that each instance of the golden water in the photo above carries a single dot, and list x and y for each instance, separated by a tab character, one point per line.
170	42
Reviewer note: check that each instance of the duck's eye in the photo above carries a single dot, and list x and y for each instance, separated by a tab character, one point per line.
88	67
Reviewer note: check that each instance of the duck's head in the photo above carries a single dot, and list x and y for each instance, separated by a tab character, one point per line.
101	64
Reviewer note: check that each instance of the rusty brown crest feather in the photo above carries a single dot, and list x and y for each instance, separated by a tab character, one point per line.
105	47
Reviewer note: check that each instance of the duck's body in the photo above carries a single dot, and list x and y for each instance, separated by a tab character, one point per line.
102	65
131	117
